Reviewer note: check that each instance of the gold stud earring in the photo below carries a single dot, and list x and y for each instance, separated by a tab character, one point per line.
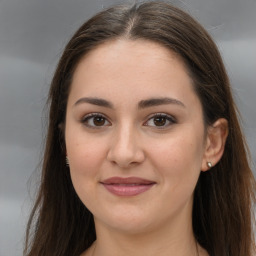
209	164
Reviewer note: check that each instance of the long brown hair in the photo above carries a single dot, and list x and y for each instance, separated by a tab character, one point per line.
224	197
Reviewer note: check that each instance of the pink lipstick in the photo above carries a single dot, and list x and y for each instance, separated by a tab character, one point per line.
130	186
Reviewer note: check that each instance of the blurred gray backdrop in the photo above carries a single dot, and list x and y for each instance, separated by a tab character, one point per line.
33	34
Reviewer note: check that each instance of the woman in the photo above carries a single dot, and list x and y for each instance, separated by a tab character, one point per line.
144	153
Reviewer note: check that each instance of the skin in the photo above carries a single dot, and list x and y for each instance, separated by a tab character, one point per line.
128	140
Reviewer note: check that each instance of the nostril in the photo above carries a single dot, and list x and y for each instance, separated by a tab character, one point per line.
124	149
125	159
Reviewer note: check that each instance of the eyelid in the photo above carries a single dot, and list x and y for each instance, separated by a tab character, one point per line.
169	117
92	115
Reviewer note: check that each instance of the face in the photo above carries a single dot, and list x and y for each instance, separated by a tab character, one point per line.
134	136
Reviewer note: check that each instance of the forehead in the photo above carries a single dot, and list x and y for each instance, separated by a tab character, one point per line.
137	68
126	52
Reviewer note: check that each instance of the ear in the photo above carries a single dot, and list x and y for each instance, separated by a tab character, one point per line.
215	143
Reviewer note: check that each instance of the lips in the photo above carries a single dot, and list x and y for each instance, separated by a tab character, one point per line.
130	186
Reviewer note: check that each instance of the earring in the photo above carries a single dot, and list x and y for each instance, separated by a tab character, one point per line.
67	162
209	164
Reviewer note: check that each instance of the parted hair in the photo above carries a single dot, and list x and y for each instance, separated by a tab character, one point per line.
224	197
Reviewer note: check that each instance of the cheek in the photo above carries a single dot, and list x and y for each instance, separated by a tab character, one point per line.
85	163
85	158
178	159
86	155
178	151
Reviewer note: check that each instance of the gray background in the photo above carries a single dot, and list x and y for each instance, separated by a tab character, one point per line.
32	36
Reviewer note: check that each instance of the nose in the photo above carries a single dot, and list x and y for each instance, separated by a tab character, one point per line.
125	150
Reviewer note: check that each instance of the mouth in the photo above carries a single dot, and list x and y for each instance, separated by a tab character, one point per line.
130	186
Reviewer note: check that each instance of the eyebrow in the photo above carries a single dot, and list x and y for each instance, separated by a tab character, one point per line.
159	101
141	105
95	101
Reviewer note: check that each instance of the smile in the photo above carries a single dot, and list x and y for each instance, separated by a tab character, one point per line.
131	186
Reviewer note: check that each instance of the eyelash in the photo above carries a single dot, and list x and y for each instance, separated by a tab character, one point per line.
85	120
167	117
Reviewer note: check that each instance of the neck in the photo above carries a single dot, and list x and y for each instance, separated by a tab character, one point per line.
151	243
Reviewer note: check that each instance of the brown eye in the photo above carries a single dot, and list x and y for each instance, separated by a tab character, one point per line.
98	121
95	121
160	120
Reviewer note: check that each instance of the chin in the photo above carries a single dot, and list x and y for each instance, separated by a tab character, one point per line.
132	227
127	221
